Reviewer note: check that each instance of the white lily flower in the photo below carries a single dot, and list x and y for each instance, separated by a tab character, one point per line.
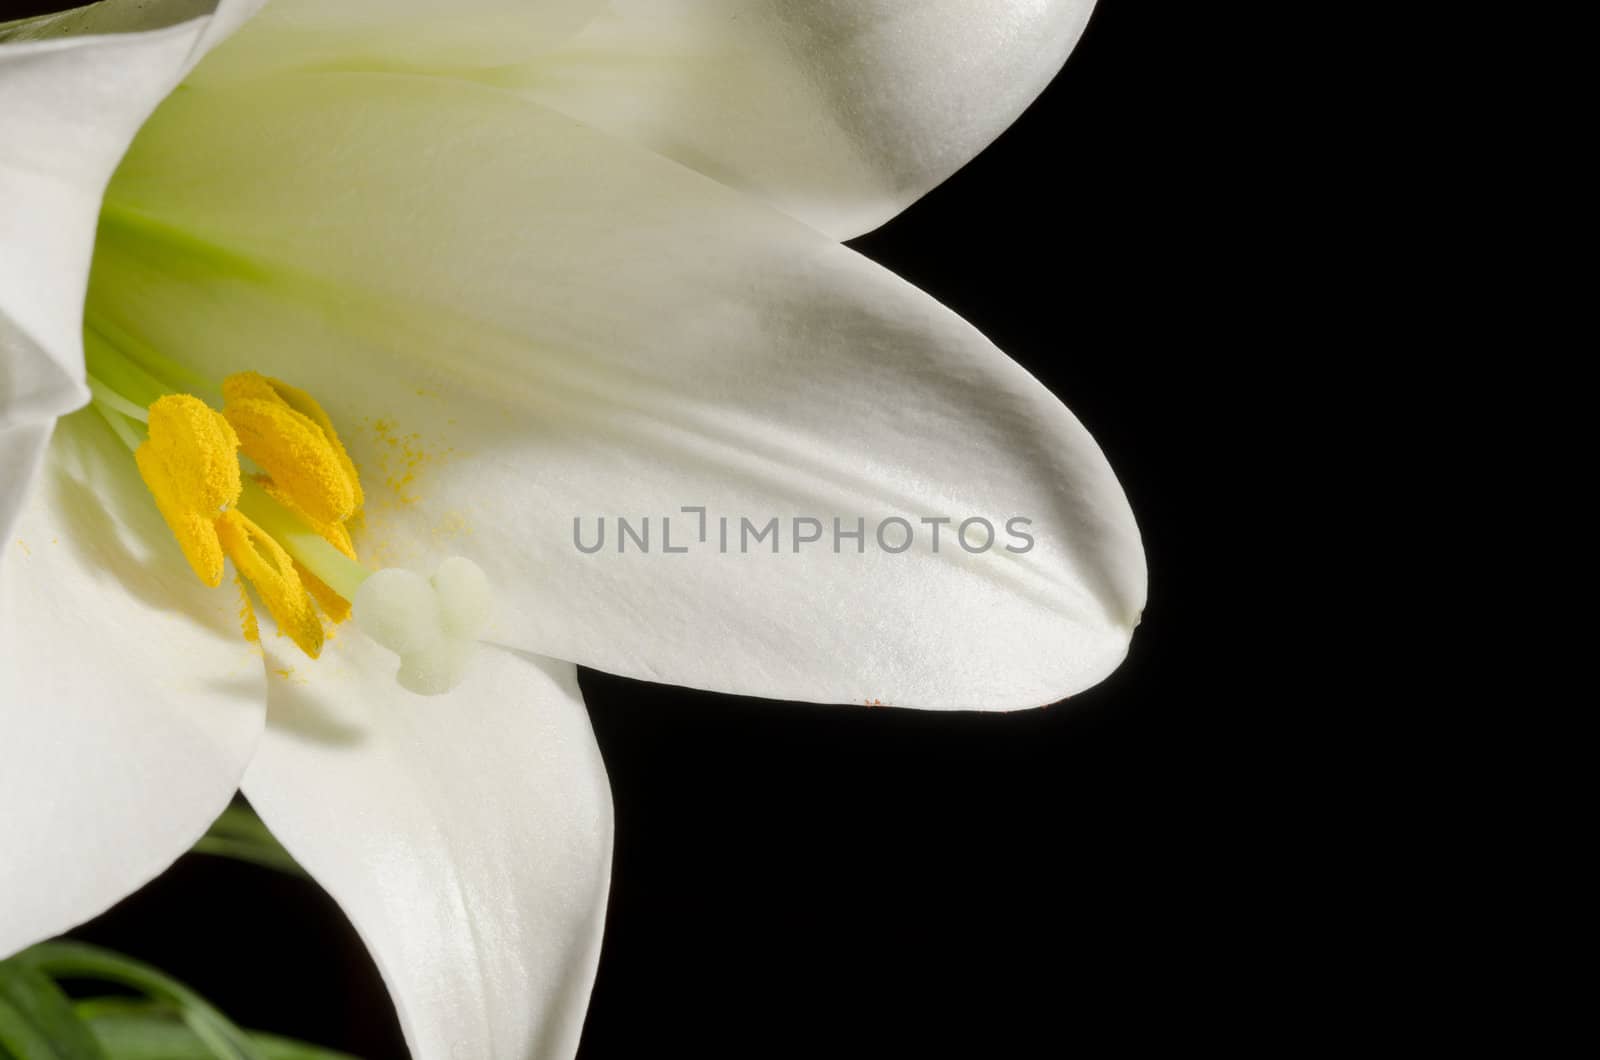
536	261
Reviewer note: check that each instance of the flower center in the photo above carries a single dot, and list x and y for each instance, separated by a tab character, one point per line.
285	527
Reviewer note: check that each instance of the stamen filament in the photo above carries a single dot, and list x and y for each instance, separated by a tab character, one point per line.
121	374
107	396
146	358
125	431
339	572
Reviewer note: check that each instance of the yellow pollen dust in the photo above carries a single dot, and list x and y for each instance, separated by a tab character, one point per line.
190	465
247	613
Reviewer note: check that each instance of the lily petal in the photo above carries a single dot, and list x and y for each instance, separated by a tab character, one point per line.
77	85
455	39
129	705
518	321
841	114
467	837
21	451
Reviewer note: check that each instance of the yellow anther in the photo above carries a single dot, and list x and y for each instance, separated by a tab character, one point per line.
285	431
308	407
188	463
335	606
270	569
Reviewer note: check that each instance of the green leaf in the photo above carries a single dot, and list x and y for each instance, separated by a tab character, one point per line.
37	1021
20	1039
130	1037
239	834
75	960
141	1030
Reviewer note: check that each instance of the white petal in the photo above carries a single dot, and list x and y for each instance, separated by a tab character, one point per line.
519	321
129	702
467	837
21	451
76	86
841	114
421	36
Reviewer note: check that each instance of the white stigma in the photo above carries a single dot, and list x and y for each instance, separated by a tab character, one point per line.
431	623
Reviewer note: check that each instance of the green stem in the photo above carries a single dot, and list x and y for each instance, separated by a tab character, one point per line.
338	571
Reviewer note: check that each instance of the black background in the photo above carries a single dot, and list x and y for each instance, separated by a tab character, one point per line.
850	881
